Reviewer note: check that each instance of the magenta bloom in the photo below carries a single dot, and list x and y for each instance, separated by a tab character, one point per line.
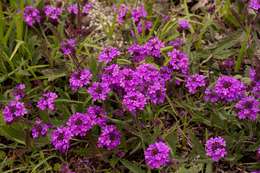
252	74
157	155
47	101
194	82
211	96
122	11
138	52
247	108
254	4
97	115
14	110
134	101
80	79
99	90
216	148
111	74
87	7
183	24
154	46
128	79
60	139
31	15
68	47
157	93
73	9
108	54
256	90
229	88
177	43
109	138
138	13
18	91
79	124
145	25
52	12
179	61
39	128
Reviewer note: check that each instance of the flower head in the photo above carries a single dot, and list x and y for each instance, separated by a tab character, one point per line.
194	82
256	90
138	52
87	7
14	110
145	25
18	91
177	43
108	54
134	100
183	24
122	11
138	13
157	155
80	79
254	4
99	91
229	88
247	108
39	128
47	101
216	148
60	138
154	46
211	96
111	74
179	61
52	12
68	47
79	124
31	15
97	115
109	138
73	9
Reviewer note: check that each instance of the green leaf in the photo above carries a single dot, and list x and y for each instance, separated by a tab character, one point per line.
132	167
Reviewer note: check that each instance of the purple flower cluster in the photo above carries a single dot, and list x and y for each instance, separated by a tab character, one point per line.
39	128
134	100
138	52
108	54
157	155
53	13
216	148
109	138
144	25
138	13
99	91
79	124
68	47
18	91
194	82
179	61
14	110
80	79
47	101
31	15
60	138
153	47
122	11
254	4
97	115
183	24
229	88
256	90
177	43
86	8
247	108
211	96
73	9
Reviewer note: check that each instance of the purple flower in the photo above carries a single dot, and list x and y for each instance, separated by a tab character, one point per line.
97	115
179	61
18	91
60	139
145	25
99	91
166	73
128	79
211	96
134	101
108	54
256	90
154	46
228	63
177	43
252	74
122	11
183	24
14	110
80	79
254	4
47	101
52	12
216	148
194	82
79	124
68	47
109	138
257	171
39	128
247	108
73	9
138	52
229	88
31	15
87	7
157	93
111	74
157	155
138	13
